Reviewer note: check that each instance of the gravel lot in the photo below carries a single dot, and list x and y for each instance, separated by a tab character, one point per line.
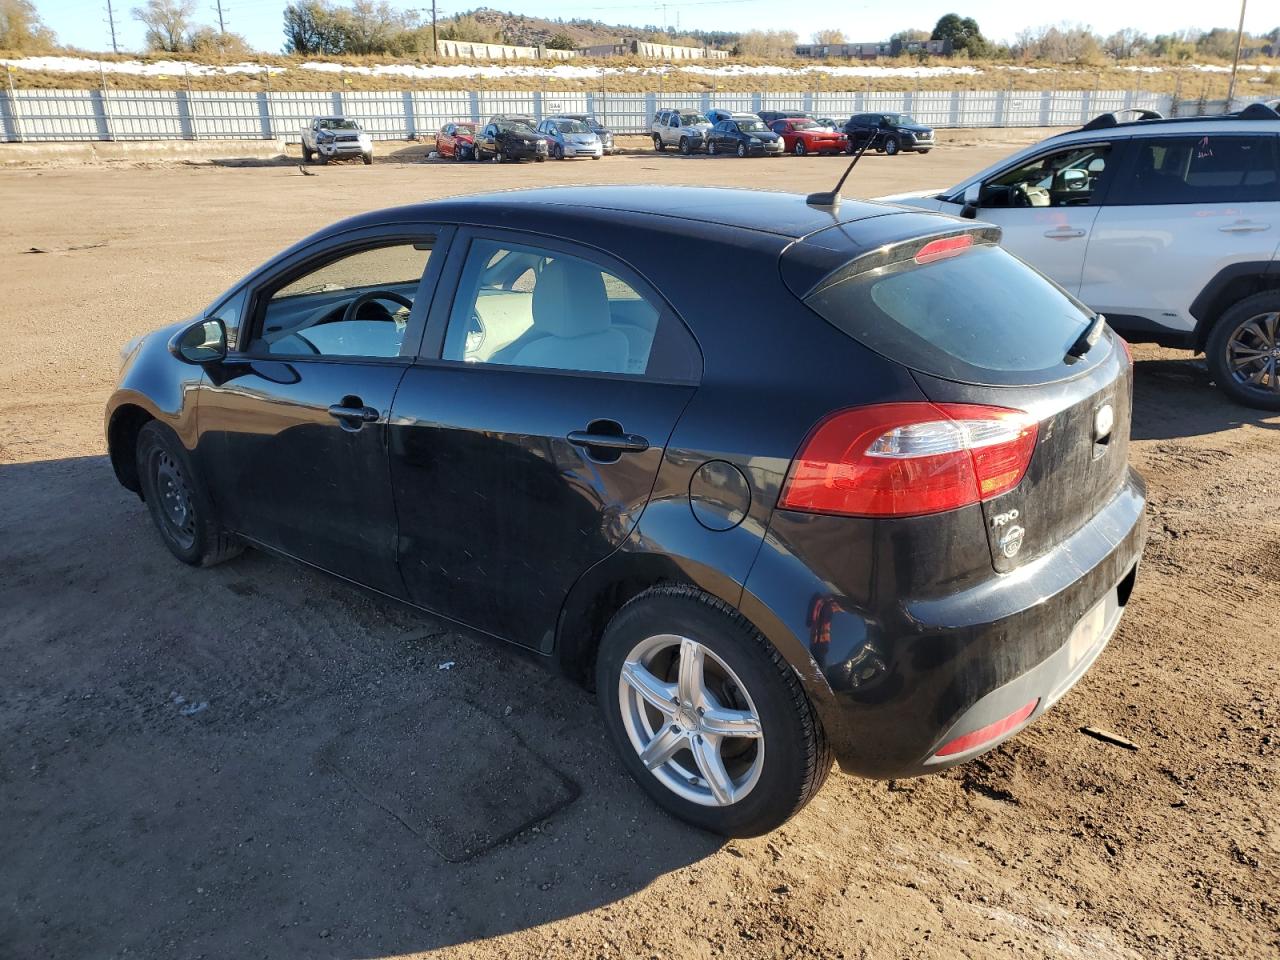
256	760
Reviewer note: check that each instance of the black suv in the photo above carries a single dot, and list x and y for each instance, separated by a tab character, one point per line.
890	133
510	138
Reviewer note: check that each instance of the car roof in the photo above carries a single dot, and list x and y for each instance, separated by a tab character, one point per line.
775	213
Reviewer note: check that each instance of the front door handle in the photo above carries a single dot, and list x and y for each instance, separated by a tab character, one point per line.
352	413
1064	233
1245	226
622	442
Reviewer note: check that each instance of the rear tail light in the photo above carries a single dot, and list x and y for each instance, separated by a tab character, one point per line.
909	459
988	734
1128	351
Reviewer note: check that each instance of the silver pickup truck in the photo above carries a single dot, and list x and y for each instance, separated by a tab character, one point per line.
328	138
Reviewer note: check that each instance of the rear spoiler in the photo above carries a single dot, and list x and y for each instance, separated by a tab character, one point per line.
908	249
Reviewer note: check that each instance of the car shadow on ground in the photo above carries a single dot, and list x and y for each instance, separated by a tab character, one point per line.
259	758
1177	398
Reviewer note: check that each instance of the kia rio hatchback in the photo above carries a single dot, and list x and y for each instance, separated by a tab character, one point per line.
885	515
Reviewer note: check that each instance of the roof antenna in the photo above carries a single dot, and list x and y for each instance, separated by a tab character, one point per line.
832	199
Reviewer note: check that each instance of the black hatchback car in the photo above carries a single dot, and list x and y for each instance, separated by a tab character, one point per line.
885	514
745	135
510	138
890	133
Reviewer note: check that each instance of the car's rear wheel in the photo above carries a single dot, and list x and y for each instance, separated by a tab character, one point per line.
1243	351
179	505
707	716
923	152
800	148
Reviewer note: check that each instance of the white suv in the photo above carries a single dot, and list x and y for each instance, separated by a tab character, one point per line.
1171	228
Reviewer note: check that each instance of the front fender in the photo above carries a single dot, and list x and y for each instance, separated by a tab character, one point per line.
154	385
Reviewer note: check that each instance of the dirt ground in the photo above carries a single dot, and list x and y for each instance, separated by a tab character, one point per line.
259	761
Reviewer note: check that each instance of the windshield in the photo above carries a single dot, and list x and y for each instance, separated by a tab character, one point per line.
803	125
521	128
572	126
339	125
688	118
981	317
900	120
465	127
752	126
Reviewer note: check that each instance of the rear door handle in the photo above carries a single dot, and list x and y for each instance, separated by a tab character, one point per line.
1064	233
624	442
1245	226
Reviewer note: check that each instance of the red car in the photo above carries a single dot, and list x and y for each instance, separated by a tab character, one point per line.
457	139
801	136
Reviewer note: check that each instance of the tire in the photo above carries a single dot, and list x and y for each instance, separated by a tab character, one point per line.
800	150
711	149
557	152
891	147
685	147
539	159
658	144
850	149
773	775
367	158
1246	341
179	505
923	152
498	157
742	150
308	156
457	155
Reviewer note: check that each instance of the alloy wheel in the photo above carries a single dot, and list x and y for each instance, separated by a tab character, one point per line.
691	720
1253	353
176	508
800	148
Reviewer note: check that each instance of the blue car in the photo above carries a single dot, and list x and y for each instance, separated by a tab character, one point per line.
570	138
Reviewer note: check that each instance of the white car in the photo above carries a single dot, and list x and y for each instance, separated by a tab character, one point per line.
330	138
1168	227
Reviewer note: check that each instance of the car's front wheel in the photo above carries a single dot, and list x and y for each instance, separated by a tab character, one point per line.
180	507
711	148
1243	351
686	147
742	150
658	144
891	146
367	157
707	716
801	150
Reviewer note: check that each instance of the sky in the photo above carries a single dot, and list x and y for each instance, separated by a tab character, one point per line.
83	23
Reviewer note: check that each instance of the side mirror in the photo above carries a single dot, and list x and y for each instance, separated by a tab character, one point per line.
202	342
972	194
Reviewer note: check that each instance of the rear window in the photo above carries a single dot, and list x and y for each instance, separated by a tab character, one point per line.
982	316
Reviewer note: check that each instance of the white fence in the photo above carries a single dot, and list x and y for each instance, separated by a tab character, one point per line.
40	115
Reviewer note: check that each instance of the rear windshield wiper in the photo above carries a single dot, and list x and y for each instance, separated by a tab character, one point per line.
1090	336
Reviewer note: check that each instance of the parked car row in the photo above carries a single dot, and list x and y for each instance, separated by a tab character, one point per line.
508	137
774	132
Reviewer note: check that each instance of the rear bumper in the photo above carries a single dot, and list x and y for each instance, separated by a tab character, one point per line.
896	679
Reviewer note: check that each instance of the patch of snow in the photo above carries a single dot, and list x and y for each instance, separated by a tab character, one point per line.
135	68
447	665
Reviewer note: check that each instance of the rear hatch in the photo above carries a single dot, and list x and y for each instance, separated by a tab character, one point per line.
977	326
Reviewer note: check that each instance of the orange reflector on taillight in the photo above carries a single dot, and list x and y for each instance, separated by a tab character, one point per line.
946	247
988	734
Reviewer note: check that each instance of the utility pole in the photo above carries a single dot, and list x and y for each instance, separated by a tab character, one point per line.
435	40
1235	63
222	23
111	22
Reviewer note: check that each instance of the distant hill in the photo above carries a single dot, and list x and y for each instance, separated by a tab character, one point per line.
521	30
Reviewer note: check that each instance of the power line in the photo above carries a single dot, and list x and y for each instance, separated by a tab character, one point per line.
222	23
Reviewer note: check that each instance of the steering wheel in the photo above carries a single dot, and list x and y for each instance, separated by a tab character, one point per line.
353	308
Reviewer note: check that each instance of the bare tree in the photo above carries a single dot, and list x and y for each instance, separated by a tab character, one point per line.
828	36
168	23
21	27
767	43
1126	43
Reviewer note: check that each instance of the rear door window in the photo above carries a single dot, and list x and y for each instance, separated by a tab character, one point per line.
982	316
1201	169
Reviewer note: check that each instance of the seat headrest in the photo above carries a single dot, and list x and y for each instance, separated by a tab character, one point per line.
569	300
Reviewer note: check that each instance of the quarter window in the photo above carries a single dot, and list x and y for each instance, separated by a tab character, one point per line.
355	306
1067	178
531	307
1202	169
